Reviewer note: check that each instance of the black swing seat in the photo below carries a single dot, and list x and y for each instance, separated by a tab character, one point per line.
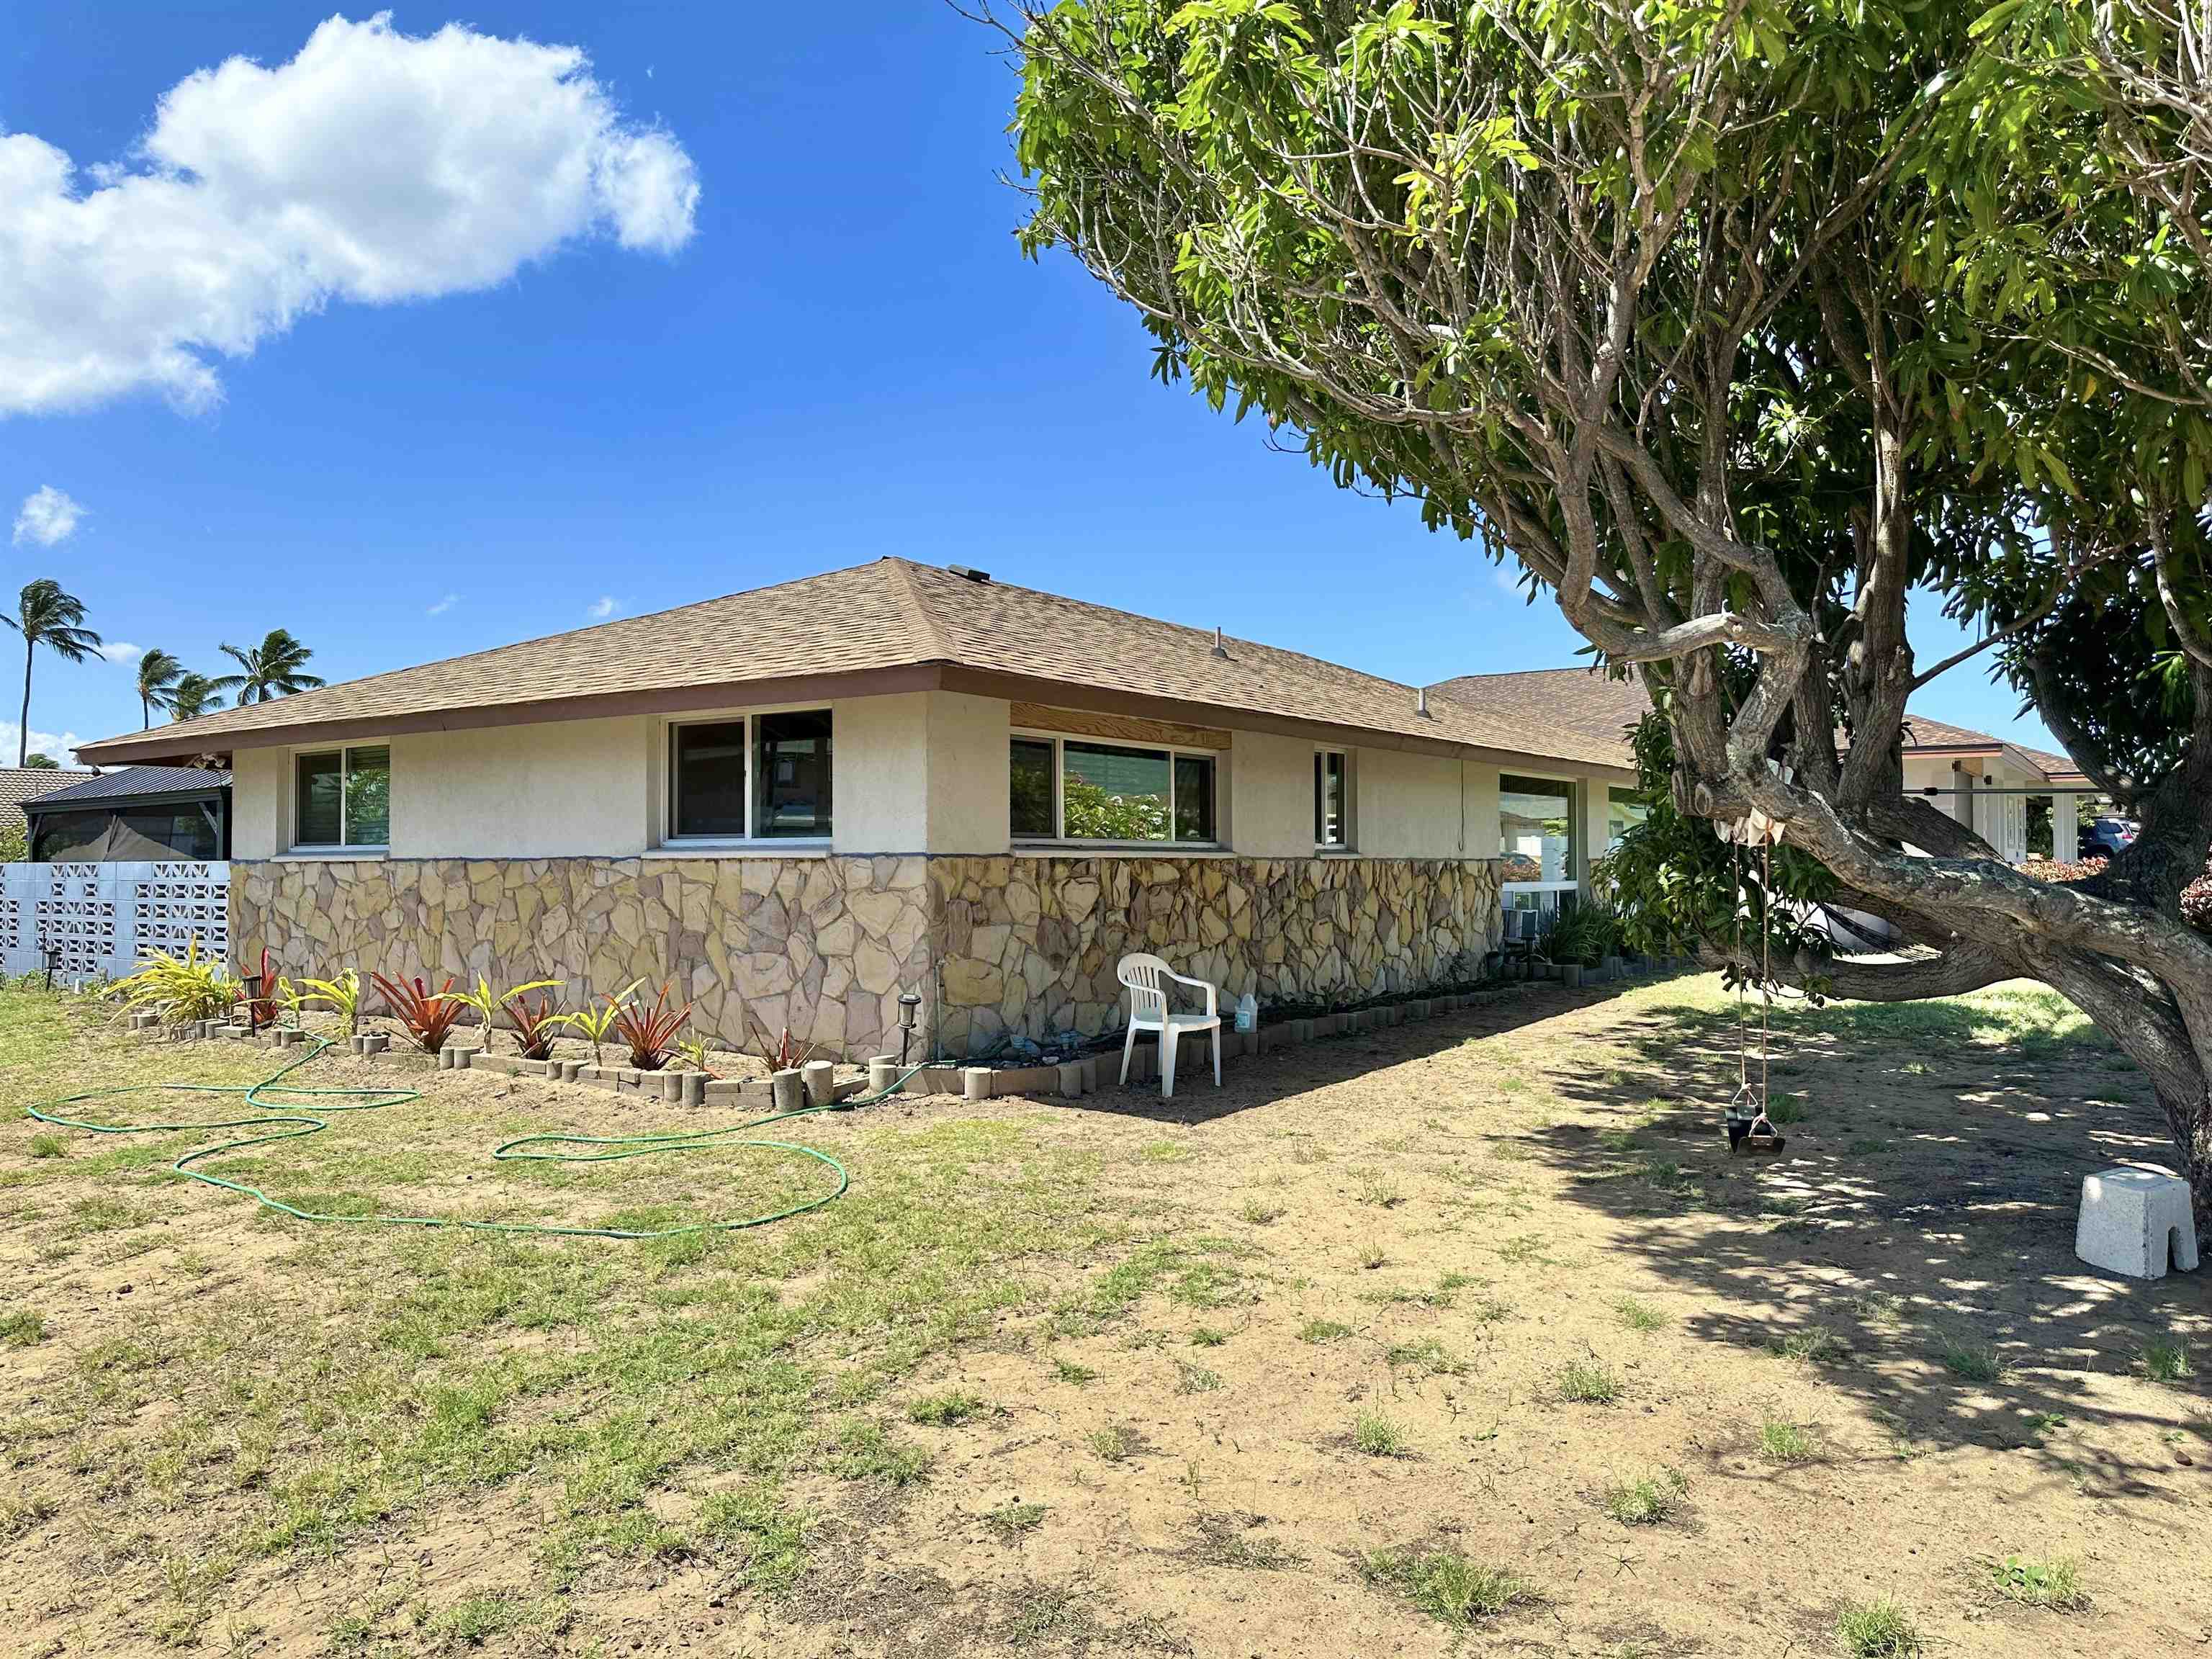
1749	1128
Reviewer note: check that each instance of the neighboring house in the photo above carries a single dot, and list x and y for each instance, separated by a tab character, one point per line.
798	803
136	814
20	783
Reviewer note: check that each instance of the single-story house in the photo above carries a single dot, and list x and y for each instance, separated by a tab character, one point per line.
798	803
135	814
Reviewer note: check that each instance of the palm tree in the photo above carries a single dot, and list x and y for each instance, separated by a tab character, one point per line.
193	696
158	674
46	616
274	668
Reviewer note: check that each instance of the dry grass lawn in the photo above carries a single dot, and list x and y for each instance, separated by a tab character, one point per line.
1465	1336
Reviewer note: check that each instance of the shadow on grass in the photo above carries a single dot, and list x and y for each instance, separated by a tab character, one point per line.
1921	1214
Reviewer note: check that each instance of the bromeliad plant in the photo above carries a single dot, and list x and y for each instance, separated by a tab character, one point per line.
180	989
534	1023
489	1003
341	995
650	1032
595	1025
428	1016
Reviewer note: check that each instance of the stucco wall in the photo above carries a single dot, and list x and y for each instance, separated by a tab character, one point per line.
915	772
564	789
968	785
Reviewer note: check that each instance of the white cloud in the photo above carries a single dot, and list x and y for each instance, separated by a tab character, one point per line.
55	745
375	166
121	651
603	607
442	605
49	515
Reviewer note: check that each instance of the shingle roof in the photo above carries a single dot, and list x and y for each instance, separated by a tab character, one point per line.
132	783
1596	708
21	783
890	614
1579	700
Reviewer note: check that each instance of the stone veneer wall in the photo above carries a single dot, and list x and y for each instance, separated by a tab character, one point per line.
1030	943
822	945
826	945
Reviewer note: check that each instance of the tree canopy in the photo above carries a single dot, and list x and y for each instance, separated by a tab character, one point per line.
1742	326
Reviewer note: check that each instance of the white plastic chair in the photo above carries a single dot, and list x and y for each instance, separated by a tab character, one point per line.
1149	1012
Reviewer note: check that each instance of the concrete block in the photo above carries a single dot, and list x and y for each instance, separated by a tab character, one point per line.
1027	1081
1070	1079
976	1082
671	1086
1094	1070
882	1073
725	1091
788	1090
2135	1221
819	1078
694	1089
570	1069
1417	1009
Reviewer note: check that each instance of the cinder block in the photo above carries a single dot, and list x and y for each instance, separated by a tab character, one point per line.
724	1090
975	1082
1070	1079
788	1090
2134	1221
820	1079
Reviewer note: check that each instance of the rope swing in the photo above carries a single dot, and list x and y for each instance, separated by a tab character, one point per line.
1749	1128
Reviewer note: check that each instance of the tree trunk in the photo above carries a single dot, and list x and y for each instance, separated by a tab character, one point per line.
23	732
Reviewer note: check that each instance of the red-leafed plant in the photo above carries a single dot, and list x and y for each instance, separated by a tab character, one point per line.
649	1031
261	1010
786	1052
429	1016
535	1019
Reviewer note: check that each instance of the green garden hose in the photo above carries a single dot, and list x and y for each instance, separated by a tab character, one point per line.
299	1121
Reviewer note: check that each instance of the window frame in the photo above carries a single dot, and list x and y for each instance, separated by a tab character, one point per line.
1060	837
1571	885
750	719
345	845
1345	843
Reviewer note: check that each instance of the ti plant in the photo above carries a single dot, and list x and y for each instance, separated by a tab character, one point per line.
428	1016
595	1025
341	995
534	1021
489	1003
649	1031
262	1010
181	989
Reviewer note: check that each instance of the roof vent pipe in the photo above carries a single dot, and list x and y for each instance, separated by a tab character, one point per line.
1421	702
1219	649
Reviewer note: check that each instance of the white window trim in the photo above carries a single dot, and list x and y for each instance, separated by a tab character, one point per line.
1061	842
341	849
1350	845
672	844
1576	798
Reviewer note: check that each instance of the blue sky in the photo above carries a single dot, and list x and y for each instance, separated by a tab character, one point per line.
845	356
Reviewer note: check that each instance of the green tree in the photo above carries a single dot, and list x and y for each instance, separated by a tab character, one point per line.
193	696
274	668
46	616
158	674
1737	325
37	762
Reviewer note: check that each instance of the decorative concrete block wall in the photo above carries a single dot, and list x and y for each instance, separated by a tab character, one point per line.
104	918
826	945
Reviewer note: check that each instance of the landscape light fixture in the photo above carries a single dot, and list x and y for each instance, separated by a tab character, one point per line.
909	1018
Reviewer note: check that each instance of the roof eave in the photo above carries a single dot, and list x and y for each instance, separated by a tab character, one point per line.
169	744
